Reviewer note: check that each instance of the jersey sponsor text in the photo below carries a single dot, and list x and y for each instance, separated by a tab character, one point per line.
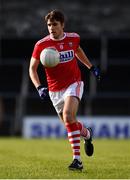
66	56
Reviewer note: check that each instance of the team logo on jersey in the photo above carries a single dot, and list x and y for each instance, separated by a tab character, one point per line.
66	56
61	46
70	44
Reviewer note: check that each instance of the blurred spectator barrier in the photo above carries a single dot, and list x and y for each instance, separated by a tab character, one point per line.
51	127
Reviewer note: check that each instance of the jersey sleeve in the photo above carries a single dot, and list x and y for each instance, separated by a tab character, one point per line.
36	51
76	39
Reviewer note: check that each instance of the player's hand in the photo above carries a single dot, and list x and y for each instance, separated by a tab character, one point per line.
43	92
96	72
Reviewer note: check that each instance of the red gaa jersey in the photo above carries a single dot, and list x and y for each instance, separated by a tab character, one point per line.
67	71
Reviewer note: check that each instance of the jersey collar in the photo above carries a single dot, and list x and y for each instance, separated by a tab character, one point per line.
58	39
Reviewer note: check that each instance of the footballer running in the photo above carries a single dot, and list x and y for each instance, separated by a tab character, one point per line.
65	86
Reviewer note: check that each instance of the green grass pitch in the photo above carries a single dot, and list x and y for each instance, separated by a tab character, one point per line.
49	159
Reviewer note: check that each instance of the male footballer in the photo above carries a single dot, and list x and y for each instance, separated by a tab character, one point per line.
65	86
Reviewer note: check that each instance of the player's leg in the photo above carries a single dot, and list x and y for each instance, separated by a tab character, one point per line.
86	133
69	117
76	89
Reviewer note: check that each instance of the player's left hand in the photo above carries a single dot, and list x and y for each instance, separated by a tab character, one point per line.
96	72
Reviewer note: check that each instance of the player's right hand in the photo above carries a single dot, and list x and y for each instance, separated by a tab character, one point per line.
43	92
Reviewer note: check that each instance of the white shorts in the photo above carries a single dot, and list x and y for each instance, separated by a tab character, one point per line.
57	98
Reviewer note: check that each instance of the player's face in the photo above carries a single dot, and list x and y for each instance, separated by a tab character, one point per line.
55	29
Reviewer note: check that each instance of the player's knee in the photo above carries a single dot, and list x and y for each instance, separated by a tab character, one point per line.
67	117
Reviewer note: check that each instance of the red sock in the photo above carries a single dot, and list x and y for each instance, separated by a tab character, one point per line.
84	132
74	139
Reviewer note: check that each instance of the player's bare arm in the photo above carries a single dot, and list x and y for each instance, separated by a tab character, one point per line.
83	58
33	72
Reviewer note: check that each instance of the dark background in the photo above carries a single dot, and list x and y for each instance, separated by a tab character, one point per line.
104	27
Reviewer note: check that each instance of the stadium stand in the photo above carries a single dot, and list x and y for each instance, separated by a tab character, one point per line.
104	28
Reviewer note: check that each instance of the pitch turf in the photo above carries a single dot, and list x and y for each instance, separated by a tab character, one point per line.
49	159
